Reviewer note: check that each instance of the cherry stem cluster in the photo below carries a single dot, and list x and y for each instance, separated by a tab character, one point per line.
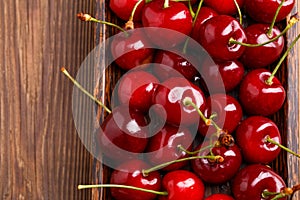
274	19
268	139
66	73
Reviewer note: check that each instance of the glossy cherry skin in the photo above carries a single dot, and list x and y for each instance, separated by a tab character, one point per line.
224	7
264	10
214	172
131	49
169	98
259	98
251	137
222	76
214	36
130	174
173	65
266	54
121	132
175	17
182	184
251	181
205	13
219	197
136	88
163	147
228	110
123	8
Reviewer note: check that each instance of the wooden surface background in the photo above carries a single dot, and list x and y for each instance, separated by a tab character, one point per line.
41	156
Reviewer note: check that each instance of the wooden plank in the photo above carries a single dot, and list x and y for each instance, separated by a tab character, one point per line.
41	155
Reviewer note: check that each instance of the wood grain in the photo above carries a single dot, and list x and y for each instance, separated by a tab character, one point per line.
41	156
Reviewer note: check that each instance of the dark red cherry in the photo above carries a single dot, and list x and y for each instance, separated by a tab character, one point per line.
266	54
169	98
253	180
163	147
173	65
215	34
174	16
219	197
220	76
259	98
228	114
136	88
123	8
264	10
182	184
224	7
130	174
131	49
215	172
123	133
251	136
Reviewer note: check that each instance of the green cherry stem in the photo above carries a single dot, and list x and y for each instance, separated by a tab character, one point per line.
268	139
191	9
180	147
216	158
274	19
166	3
269	81
66	73
291	23
197	12
239	11
80	187
129	24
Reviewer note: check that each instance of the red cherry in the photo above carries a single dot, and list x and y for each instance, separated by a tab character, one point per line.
224	7
130	174
266	54
219	197
131	49
136	88
174	16
253	180
264	10
222	75
217	172
163	147
228	111
214	36
182	184
251	136
173	65
123	8
170	95
259	98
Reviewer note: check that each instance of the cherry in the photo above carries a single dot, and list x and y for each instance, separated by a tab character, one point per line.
168	15
182	184
222	75
213	171
219	197
169	96
123	9
228	114
258	97
163	146
264	11
173	65
215	35
256	182
129	173
136	88
266	54
224	7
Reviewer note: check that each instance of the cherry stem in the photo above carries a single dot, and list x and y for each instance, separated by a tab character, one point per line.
269	81
197	12
129	24
166	4
274	18
291	23
216	158
89	18
268	139
121	186
84	90
191	9
239	11
194	152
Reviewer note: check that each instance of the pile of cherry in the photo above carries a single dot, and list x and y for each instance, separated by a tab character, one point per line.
182	120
